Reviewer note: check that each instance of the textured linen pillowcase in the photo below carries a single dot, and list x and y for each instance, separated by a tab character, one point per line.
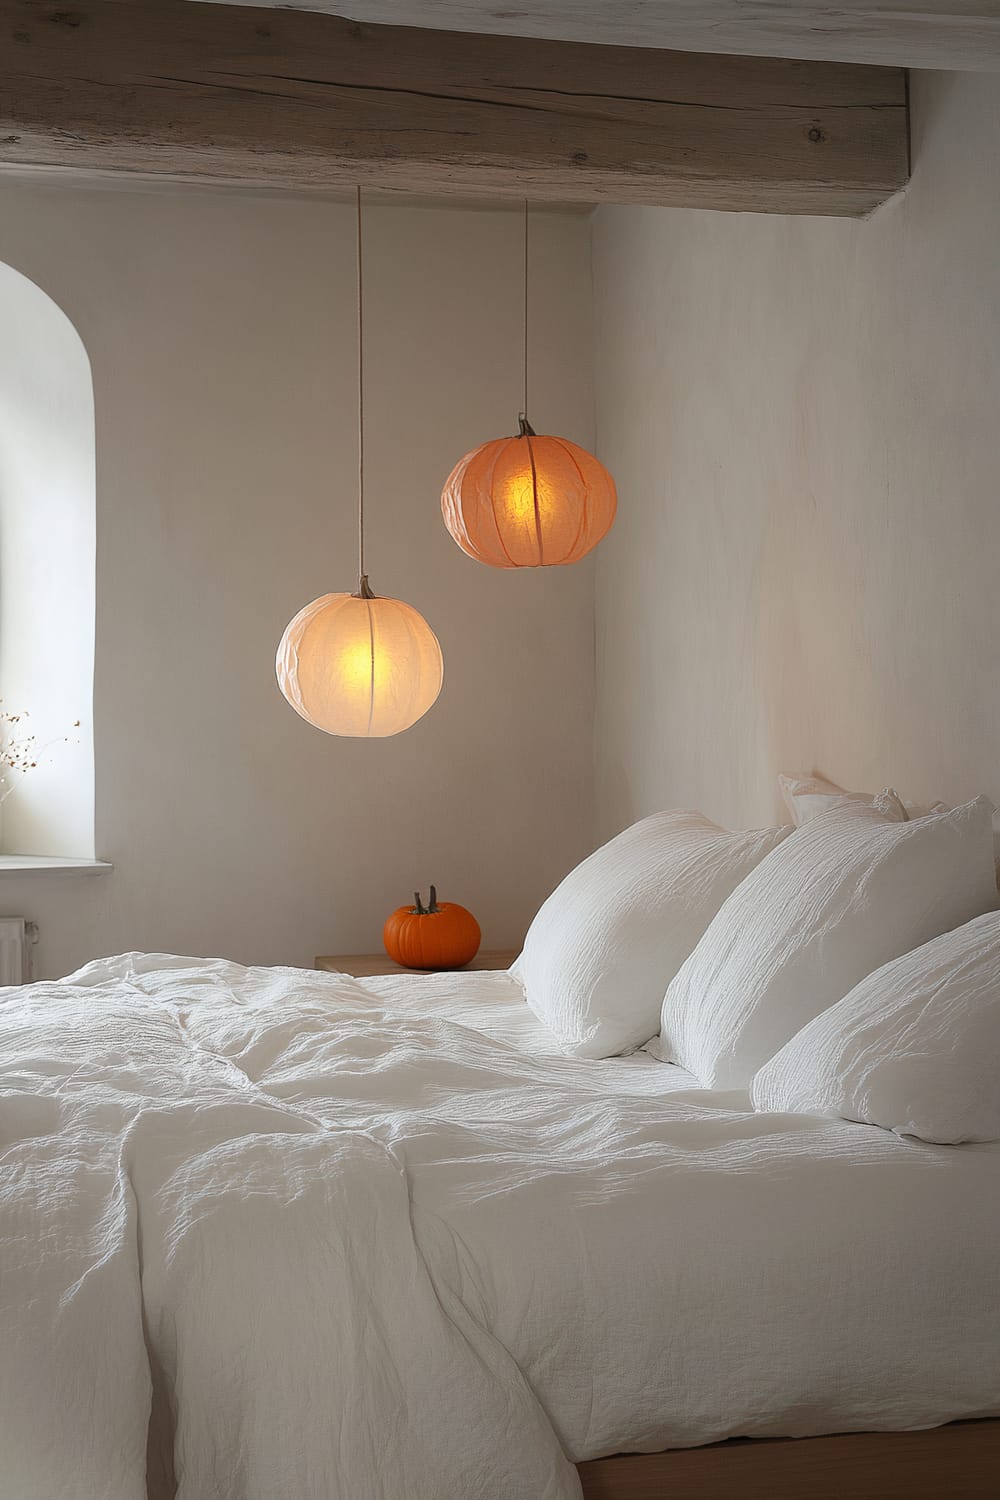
606	942
914	1048
808	796
843	895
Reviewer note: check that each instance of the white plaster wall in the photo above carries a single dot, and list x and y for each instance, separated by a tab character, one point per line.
47	528
804	420
220	333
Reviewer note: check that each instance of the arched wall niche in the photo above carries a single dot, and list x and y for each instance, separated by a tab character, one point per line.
47	570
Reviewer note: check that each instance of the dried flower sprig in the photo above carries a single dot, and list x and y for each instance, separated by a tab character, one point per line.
19	751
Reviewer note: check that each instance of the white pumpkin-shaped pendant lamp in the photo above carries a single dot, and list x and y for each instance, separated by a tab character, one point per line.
357	664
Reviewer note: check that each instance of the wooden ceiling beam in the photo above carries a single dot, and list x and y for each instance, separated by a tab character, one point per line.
221	93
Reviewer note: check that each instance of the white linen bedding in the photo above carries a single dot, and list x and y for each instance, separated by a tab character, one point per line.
370	1242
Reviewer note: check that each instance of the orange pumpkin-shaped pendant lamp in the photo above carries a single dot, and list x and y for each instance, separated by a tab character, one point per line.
528	501
440	935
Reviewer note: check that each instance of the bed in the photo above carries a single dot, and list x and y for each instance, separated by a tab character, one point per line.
274	1232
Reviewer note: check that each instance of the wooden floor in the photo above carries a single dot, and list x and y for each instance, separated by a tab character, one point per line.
958	1462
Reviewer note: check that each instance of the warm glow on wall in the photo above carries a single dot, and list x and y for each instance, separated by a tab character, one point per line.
528	501
358	665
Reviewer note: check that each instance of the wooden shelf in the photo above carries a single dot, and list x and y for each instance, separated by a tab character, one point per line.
368	965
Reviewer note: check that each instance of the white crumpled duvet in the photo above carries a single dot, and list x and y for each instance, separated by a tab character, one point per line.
271	1233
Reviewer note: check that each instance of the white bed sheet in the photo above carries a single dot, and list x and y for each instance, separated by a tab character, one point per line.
733	1274
380	1241
493	1004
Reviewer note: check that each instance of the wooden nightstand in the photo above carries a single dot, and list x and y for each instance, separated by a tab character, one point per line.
367	965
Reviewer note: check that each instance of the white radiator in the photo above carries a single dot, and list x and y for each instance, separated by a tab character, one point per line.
17	937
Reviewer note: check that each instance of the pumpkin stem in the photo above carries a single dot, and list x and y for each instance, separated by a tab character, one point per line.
525	428
364	588
418	905
434	900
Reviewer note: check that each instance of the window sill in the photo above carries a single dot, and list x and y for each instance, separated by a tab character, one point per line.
46	864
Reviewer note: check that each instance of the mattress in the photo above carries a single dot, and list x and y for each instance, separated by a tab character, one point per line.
326	1238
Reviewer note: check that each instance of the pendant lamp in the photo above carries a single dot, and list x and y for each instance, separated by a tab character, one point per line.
528	501
357	664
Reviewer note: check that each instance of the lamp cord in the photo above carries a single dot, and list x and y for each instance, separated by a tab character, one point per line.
524	411
363	581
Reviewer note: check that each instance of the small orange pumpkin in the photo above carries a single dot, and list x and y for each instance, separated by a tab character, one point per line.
528	501
441	935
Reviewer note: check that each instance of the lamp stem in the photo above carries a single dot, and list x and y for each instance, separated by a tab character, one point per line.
361	406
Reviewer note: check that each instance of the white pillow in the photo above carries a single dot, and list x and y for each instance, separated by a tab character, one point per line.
610	938
915	1047
808	796
844	894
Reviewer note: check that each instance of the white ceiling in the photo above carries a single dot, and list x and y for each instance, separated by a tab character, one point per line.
641	23
904	33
